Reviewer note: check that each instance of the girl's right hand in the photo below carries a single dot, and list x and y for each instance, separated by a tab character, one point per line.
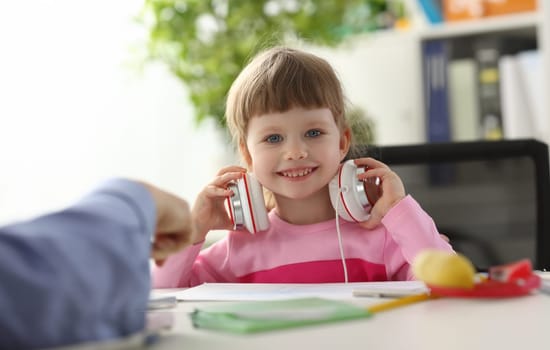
209	211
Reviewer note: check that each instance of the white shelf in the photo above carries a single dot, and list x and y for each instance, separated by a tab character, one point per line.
484	25
383	73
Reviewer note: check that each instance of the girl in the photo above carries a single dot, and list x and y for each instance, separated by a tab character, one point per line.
285	112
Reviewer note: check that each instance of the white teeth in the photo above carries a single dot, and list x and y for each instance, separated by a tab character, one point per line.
297	173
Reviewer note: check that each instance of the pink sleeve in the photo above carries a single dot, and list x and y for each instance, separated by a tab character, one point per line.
176	269
192	267
412	230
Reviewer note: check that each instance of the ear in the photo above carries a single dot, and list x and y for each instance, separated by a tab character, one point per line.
345	143
245	154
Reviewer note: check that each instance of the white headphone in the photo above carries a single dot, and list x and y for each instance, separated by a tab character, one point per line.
349	195
247	205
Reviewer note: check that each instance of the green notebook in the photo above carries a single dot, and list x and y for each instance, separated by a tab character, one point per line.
259	316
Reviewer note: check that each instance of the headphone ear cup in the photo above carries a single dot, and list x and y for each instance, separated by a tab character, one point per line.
256	218
347	193
247	206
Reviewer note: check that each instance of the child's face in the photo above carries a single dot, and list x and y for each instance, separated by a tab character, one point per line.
295	153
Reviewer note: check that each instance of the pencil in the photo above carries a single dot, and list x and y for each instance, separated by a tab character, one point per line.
399	302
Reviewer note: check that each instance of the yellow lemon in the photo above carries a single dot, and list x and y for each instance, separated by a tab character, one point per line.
444	269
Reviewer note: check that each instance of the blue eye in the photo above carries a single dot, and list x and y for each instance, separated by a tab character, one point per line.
313	133
274	138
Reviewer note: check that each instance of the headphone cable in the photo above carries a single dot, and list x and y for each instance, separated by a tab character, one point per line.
340	245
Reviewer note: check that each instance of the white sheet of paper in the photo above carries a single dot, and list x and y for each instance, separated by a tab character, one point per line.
279	291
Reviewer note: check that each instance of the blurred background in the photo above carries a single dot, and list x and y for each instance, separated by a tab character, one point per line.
77	106
135	88
80	101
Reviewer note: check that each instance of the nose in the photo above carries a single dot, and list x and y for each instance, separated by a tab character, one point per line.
296	150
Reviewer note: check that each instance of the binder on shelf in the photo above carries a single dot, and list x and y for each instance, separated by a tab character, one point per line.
487	52
530	67
435	84
517	114
435	54
463	100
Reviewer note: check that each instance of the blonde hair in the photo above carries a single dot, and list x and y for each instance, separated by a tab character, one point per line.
277	80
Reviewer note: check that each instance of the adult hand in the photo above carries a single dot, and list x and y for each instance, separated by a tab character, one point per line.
175	229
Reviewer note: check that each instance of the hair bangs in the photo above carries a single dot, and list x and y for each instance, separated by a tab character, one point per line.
290	81
278	80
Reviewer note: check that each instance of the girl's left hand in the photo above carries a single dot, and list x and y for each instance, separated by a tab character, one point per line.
391	187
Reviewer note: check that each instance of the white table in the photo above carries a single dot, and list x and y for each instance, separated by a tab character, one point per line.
515	323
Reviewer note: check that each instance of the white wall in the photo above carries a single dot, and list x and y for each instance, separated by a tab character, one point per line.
74	109
381	74
74	112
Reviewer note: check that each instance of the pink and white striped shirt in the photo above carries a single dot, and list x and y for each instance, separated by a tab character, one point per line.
287	253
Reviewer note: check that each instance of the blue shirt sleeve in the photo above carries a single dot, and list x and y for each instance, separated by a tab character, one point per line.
80	274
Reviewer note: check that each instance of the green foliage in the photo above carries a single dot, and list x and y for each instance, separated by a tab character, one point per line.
362	127
206	43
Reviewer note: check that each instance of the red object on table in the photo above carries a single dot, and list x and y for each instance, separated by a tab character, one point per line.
510	280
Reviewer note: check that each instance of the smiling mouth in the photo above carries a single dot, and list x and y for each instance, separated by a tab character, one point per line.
297	173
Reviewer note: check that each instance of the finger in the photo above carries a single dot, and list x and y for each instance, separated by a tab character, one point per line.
223	180
177	240
168	245
375	172
231	169
163	241
160	255
214	191
390	182
175	217
369	224
371	163
163	249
